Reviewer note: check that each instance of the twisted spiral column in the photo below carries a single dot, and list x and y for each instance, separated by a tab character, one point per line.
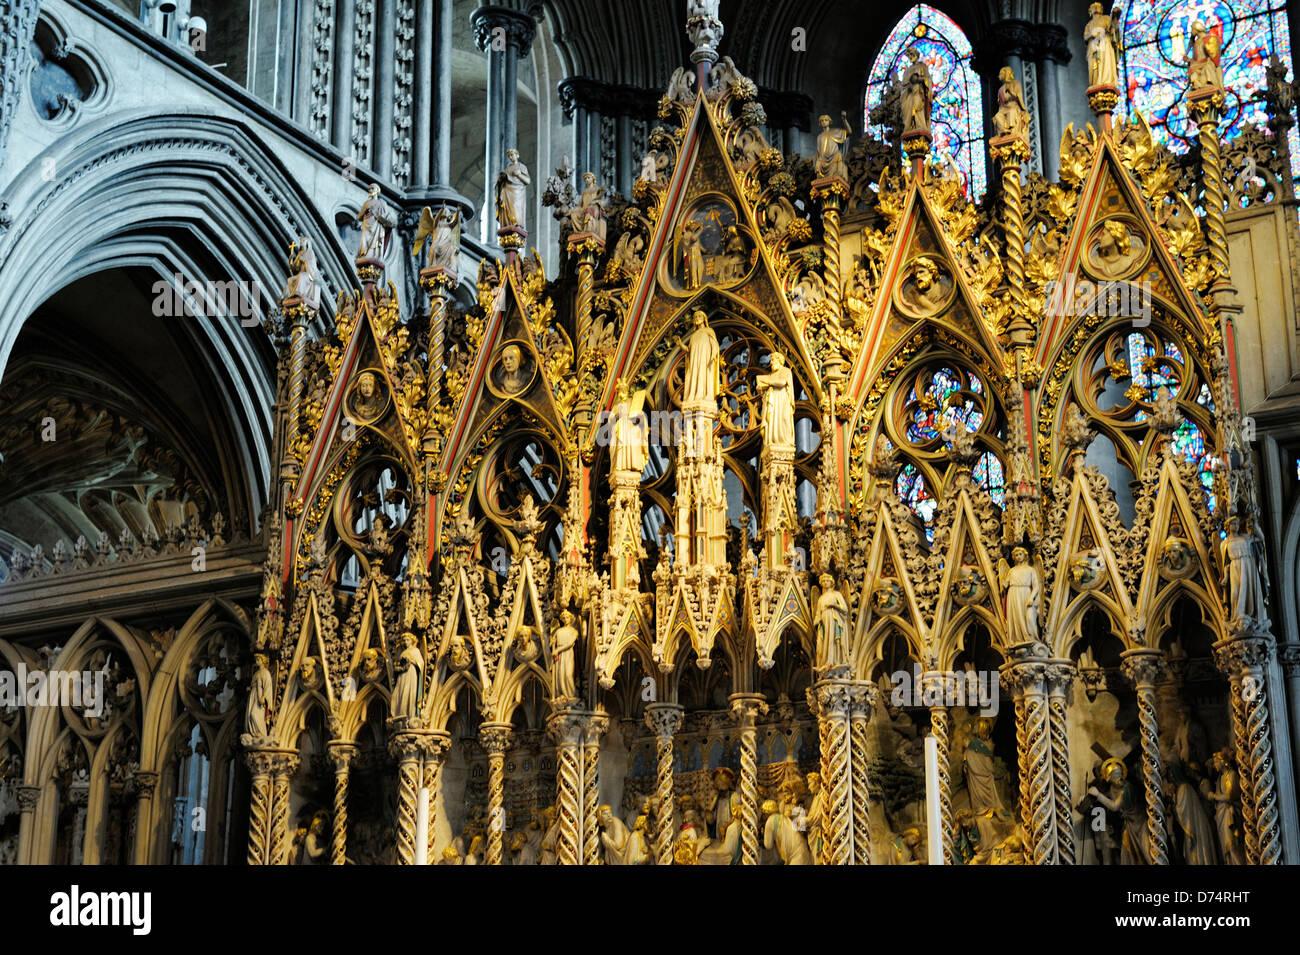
1205	106
298	316
284	766
862	697
664	719
565	728
941	683
824	757
259	809
1245	659
1060	676
832	707
342	755
586	248
746	708
1143	668
831	198
1022	760
435	755
1027	673
406	748
495	738
596	726
440	285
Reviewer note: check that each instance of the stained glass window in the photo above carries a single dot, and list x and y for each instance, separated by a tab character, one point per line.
1158	41
915	493
957	120
941	404
988	474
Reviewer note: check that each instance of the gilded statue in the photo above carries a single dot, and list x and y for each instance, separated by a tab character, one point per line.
589	214
777	389
1101	35
1122	798
1012	117
703	382
305	282
917	96
614	836
1204	71
829	161
1225	795
692	253
512	193
781	834
629	440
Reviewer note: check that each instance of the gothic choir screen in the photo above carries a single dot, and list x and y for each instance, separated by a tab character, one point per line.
907	477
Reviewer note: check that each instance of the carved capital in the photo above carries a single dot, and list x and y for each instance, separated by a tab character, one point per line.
664	719
862	699
1026	671
597	726
831	699
1144	668
1290	657
515	28
495	738
407	747
145	784
1060	676
341	755
566	727
29	796
1241	655
746	708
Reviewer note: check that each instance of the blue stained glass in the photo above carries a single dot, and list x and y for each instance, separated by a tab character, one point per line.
989	475
1158	40
915	493
957	118
943	405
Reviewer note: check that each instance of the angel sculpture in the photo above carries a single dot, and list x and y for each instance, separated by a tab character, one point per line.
1103	40
680	86
1023	588
377	222
305	282
442	231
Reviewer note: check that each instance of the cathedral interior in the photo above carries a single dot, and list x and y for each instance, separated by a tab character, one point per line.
677	432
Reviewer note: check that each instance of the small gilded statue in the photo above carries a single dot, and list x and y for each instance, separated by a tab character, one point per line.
512	193
1012	117
1204	71
589	214
917	95
563	641
1102	38
260	692
406	690
305	282
829	162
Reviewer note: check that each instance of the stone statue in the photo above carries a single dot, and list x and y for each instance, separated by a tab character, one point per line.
1225	795
1102	38
703	380
637	851
458	653
442	231
692	253
1023	587
829	162
563	641
1189	812
629	442
780	833
724	784
305	282
1123	799
1203	68
589	214
832	624
917	96
815	817
406	689
614	836
261	690
905	848
1241	572
550	824
777	389
980	769
512	193
377	222
1012	117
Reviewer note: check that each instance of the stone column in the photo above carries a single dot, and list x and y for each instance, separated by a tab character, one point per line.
1289	658
259	806
862	698
1245	659
284	765
830	701
441	118
341	754
1205	105
938	685
1054	53
28	797
504	35
566	728
1025	674
424	67
495	738
595	728
407	748
664	719
345	27
1060	678
435	755
1143	668
746	708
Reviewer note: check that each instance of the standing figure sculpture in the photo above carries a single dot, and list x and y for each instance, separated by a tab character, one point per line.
305	282
777	389
512	193
917	96
703	381
1225	794
780	833
979	766
1204	70
1241	573
614	836
829	162
260	692
1023	587
442	232
377	222
1012	117
406	691
629	441
1102	39
832	624
589	214
692	253
1122	798
563	641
